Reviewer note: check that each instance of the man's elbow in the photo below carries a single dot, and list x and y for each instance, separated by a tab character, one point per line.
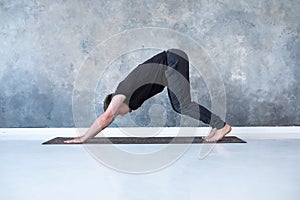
106	118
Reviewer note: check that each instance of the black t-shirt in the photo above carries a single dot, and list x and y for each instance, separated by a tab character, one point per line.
144	81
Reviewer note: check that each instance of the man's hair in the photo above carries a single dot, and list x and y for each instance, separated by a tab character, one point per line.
107	101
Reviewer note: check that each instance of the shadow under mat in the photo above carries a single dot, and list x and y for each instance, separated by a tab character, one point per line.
145	140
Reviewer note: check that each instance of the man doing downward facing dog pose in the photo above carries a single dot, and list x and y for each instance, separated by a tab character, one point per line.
167	69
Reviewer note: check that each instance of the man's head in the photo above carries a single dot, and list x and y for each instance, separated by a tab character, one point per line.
107	101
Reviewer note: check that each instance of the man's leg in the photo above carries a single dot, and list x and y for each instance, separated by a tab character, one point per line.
177	76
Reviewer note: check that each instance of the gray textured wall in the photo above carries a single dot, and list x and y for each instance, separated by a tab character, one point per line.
255	45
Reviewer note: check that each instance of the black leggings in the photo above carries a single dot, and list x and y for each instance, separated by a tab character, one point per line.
178	84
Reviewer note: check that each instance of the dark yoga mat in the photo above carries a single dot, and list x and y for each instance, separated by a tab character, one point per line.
146	140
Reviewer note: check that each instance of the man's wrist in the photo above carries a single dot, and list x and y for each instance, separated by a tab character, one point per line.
84	138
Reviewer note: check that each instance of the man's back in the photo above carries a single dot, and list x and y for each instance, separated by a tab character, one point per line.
144	81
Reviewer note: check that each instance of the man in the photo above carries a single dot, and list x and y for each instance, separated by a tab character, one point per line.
167	69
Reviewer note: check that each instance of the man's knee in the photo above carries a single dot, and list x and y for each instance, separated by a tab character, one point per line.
183	109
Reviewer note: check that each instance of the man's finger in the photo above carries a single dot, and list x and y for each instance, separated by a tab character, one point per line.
69	141
75	140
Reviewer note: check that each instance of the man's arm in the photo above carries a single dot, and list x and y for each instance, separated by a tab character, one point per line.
102	121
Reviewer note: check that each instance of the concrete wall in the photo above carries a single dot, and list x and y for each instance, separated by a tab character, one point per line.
254	44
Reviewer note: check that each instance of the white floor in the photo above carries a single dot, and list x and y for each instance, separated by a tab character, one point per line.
267	167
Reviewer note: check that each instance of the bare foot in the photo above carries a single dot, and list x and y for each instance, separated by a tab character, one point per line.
211	134
220	134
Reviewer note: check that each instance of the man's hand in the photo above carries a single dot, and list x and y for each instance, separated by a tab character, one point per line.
77	140
101	122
